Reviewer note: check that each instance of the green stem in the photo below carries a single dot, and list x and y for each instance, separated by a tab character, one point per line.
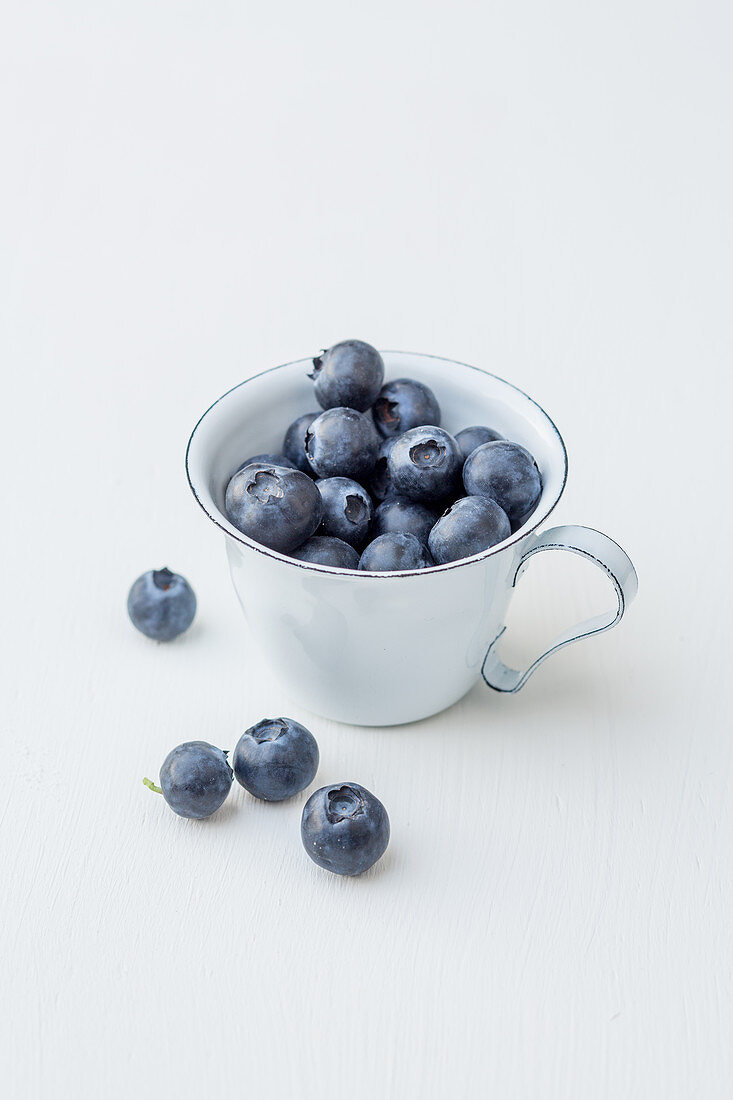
151	786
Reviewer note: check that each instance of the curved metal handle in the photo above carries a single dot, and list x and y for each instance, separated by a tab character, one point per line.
603	552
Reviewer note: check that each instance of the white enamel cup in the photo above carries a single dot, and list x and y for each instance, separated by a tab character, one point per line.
386	648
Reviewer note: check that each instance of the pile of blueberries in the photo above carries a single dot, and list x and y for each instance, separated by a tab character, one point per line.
375	483
344	827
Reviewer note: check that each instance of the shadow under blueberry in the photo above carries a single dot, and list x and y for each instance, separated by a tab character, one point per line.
222	816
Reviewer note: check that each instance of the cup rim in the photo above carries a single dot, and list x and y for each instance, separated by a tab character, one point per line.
500	547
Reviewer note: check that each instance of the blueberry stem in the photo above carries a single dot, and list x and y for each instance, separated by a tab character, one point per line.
151	786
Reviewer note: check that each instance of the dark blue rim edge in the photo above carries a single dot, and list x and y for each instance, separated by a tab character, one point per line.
332	570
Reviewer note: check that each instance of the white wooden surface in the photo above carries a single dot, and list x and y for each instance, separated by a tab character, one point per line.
193	192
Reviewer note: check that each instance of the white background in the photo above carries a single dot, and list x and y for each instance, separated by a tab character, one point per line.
191	192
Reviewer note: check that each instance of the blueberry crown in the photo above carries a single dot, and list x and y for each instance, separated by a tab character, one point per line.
269	729
343	802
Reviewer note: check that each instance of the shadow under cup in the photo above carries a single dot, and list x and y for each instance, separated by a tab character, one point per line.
371	648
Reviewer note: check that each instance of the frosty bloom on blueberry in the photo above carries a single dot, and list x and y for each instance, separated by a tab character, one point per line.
294	442
194	780
326	550
347	509
275	759
424	463
403	516
344	828
508	474
275	506
268	460
342	442
161	604
393	551
348	375
469	526
404	404
471	438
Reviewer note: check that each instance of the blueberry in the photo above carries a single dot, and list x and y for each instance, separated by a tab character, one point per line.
403	516
275	759
347	509
294	442
342	443
379	482
348	375
324	550
267	460
195	779
161	604
471	438
469	526
404	404
508	474
344	828
275	506
386	553
425	463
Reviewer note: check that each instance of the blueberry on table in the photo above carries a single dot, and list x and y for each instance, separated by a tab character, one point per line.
344	828
348	375
294	442
194	780
379	482
425	463
393	551
325	550
267	459
275	759
404	404
404	516
342	442
347	509
469	526
471	438
275	506
161	604
508	474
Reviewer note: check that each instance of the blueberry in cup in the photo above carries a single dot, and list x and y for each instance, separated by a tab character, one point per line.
342	442
276	506
425	464
404	404
347	509
403	516
294	442
468	527
508	474
349	375
471	438
326	550
393	551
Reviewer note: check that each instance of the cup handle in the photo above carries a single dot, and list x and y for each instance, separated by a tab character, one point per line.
603	552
